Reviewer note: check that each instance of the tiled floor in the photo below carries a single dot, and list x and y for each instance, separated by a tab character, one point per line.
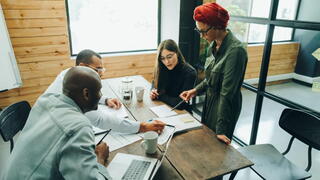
269	130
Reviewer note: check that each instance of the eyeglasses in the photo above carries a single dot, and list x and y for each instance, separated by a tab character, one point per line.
97	69
169	57
203	31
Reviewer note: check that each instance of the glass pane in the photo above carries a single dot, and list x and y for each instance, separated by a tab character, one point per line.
240	30
282	34
287	9
112	26
294	68
244	124
255	52
309	10
236	7
254	8
257	33
260	8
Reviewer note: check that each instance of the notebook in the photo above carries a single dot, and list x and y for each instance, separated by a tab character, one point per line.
163	111
182	122
128	166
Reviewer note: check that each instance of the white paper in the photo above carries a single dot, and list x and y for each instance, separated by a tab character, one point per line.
117	140
165	135
163	111
120	113
182	122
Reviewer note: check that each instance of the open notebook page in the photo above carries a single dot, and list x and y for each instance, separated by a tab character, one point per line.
163	111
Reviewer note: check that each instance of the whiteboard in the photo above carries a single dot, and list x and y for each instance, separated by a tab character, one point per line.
9	72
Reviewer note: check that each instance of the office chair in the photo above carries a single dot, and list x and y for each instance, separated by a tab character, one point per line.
12	120
269	163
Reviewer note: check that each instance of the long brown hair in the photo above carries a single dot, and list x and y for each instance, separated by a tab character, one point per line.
160	70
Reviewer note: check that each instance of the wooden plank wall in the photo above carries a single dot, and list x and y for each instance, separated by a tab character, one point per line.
38	31
282	61
39	35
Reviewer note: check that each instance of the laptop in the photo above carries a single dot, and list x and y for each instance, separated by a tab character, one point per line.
133	167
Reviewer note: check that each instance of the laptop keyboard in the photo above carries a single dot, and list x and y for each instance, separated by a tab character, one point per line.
136	170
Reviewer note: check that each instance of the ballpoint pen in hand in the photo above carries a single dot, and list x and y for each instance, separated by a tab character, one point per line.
99	133
177	105
169	125
103	137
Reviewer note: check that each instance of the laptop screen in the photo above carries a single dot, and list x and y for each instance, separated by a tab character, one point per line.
159	162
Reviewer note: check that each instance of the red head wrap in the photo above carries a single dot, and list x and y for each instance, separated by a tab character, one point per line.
212	14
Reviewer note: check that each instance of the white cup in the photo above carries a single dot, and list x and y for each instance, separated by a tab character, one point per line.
150	141
139	93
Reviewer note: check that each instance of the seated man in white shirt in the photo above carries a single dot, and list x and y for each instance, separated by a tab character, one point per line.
57	141
98	118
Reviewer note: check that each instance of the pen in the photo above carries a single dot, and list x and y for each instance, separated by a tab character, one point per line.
169	125
99	133
104	136
177	105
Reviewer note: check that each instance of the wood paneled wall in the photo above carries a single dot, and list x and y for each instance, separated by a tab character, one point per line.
38	31
39	35
282	60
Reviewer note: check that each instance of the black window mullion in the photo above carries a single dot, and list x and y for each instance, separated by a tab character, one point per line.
263	72
279	22
296	18
255	20
272	22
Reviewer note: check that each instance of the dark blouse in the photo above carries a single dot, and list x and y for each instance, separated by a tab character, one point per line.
180	79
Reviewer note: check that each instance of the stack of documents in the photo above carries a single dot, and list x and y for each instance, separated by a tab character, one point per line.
163	111
181	122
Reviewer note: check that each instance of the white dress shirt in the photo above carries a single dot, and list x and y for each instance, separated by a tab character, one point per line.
98	118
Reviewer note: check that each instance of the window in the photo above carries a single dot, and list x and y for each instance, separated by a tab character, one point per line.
109	26
256	33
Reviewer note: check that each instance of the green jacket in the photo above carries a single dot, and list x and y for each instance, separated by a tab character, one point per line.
224	74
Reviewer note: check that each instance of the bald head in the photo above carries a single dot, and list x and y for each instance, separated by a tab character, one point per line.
82	84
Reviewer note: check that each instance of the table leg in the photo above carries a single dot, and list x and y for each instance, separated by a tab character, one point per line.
233	174
217	178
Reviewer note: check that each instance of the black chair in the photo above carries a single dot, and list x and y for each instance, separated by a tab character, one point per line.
13	119
269	163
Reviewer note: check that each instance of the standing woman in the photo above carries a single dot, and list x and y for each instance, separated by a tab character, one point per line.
172	75
224	71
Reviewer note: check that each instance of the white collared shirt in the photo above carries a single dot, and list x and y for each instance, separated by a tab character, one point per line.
98	118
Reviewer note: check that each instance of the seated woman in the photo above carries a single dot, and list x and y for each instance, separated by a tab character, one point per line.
172	75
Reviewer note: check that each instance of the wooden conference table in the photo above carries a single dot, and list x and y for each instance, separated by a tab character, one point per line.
195	154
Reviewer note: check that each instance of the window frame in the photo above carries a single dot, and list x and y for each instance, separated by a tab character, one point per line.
72	54
253	19
271	23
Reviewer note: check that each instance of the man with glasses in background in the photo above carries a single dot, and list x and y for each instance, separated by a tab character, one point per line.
99	118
